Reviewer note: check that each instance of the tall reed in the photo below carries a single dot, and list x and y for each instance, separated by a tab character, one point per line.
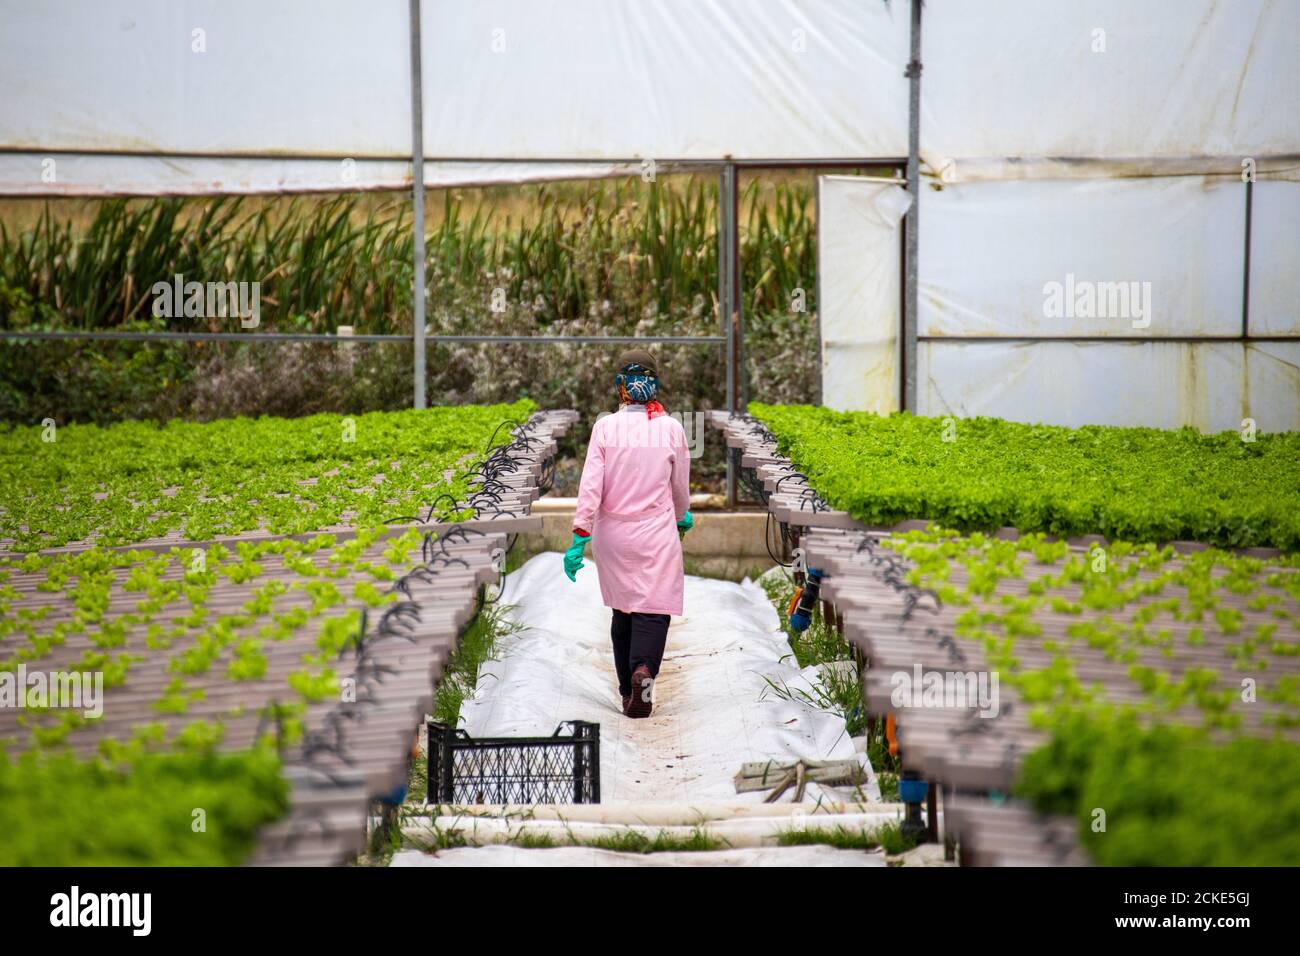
618	257
620	250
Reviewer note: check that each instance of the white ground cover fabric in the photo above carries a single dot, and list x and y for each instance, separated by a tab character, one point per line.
588	856
714	708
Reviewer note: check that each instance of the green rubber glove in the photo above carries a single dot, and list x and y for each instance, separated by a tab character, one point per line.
573	557
686	524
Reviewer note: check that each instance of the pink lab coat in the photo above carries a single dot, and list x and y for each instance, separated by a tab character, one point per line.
635	488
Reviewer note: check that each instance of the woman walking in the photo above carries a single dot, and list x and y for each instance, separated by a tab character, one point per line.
633	507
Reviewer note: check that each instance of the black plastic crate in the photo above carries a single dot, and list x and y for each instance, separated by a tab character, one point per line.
562	768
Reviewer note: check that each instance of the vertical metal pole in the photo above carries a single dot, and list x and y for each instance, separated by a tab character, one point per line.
1245	270
447	764
949	844
726	289
900	347
579	761
738	295
593	732
431	769
819	397
417	184
724	271
932	814
913	214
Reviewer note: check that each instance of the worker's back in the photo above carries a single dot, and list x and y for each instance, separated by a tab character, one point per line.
642	456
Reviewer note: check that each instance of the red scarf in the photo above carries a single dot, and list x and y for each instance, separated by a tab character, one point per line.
653	408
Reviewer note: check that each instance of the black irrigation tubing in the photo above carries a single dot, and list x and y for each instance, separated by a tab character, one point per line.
792	474
497	461
332	740
763	432
894	574
492	440
767	542
749	478
488	493
788	538
396	623
892	571
400	619
501	588
546	481
808	497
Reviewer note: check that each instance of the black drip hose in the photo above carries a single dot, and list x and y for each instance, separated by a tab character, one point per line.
400	619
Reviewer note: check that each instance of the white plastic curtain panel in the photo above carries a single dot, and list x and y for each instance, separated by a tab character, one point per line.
858	291
1089	257
1136	266
1212	386
1010	85
1144	260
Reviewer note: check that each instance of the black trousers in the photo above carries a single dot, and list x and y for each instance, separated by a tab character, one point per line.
638	639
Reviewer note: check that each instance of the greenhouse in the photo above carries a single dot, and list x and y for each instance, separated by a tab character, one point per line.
640	433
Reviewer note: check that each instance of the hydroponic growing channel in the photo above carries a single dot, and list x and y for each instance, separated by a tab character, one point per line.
1141	680
222	662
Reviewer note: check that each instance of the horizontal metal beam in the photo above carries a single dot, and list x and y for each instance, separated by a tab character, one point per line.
329	339
773	162
585	339
1173	339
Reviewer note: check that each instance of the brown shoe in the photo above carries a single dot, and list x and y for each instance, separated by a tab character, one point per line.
642	688
626	700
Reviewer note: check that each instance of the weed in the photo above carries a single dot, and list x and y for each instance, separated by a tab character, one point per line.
893	840
535	840
839	836
838	688
634	841
477	646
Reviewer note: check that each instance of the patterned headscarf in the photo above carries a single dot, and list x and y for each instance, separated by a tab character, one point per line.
637	386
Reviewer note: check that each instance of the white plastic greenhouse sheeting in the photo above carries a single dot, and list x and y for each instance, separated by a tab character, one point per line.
1054	167
27	174
1275	259
570	80
669	79
989	249
714	708
1212	386
590	856
1006	79
295	77
858	291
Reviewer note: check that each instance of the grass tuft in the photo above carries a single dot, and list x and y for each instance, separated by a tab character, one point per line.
634	841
